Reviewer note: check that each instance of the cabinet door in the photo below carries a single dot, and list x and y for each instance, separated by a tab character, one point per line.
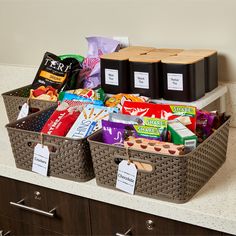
42	207
10	227
113	220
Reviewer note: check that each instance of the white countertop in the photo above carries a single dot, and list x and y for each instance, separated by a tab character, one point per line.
213	207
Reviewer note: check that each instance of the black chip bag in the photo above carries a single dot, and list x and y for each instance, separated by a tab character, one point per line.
53	72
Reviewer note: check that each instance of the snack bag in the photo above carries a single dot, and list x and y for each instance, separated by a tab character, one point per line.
63	118
185	114
89	76
114	133
74	97
119	99
53	73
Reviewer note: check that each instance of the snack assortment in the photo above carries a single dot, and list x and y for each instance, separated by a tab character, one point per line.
126	119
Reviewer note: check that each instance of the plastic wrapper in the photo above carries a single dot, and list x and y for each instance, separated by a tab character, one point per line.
119	99
61	120
89	77
206	123
97	94
185	114
74	97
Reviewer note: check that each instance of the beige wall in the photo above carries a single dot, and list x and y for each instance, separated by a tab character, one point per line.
31	27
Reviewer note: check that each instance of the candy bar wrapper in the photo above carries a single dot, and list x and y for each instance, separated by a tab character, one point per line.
74	97
119	99
154	146
185	114
89	121
206	122
97	46
114	133
63	118
159	124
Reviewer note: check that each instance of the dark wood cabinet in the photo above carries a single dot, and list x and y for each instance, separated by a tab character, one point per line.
113	220
10	227
41	207
49	212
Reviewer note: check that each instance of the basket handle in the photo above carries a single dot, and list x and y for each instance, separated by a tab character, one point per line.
53	149
141	165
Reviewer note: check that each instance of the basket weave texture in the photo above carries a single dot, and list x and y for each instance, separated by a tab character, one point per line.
174	178
69	158
14	100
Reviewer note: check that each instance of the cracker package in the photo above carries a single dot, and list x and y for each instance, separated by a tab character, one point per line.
61	120
185	114
154	146
89	121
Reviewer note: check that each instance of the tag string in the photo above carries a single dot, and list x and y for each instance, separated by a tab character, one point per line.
127	155
41	139
28	101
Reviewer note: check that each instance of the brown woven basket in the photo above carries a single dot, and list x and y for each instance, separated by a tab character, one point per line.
173	178
69	158
14	100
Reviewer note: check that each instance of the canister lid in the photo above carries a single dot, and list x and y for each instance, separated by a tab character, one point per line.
168	50
139	49
119	56
182	59
198	52
147	58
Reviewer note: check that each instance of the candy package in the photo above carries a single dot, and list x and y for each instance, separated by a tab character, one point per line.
185	114
206	123
89	76
143	125
63	118
114	133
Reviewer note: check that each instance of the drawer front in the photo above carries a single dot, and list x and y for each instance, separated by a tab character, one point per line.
113	220
42	207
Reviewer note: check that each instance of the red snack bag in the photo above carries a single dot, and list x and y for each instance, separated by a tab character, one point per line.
185	114
63	118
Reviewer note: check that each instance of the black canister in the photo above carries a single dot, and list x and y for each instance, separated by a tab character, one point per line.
115	72
183	78
211	66
145	72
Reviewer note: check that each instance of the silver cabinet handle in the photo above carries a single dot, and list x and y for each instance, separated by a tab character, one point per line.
20	204
4	234
128	232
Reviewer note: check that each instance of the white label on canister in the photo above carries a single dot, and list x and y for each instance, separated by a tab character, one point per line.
175	81
141	80
111	77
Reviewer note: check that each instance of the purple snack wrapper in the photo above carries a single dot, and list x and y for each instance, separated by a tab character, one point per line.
97	46
113	133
